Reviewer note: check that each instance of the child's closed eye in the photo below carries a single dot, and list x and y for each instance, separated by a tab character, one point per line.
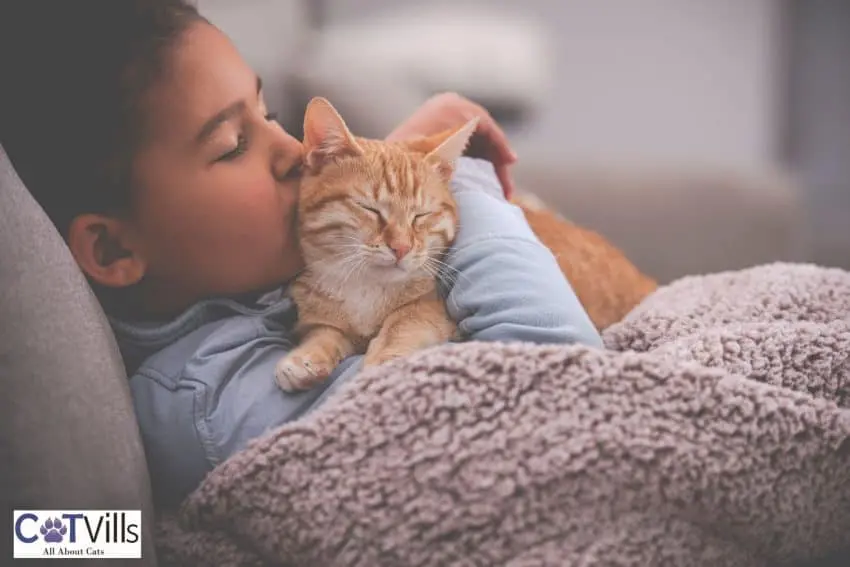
242	142
238	150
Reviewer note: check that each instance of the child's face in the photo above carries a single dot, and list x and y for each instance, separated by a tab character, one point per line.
218	181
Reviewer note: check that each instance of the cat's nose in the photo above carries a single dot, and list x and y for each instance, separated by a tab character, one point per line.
399	249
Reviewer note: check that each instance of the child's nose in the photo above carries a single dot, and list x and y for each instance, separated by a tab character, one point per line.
286	154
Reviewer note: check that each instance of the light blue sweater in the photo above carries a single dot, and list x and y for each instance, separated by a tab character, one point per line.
203	384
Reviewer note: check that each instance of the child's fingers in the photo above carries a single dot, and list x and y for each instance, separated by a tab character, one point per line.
484	147
498	140
505	178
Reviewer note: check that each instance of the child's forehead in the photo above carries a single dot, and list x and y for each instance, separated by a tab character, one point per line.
202	74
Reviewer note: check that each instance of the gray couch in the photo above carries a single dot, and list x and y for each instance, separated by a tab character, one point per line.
676	221
68	437
67	432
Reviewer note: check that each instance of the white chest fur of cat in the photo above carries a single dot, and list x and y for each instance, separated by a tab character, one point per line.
367	306
374	220
363	301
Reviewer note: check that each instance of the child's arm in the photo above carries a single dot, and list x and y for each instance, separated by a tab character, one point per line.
507	286
208	395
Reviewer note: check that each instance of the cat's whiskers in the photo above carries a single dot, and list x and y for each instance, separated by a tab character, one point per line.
311	267
334	270
343	238
358	261
328	275
431	271
447	273
441	278
339	257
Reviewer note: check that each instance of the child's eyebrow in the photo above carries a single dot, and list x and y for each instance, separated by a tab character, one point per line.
223	116
220	117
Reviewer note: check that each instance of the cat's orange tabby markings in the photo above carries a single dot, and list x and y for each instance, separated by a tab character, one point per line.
375	220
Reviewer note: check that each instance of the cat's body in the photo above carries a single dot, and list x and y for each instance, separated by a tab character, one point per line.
607	284
374	221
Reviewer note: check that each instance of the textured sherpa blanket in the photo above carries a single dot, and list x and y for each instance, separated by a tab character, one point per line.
715	431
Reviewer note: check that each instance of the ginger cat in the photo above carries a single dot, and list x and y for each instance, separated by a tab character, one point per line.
375	219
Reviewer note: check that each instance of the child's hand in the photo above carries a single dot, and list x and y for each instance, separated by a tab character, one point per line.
450	110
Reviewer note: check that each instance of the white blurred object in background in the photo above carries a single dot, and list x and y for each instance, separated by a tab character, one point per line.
381	68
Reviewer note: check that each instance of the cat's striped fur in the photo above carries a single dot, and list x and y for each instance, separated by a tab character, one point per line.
375	220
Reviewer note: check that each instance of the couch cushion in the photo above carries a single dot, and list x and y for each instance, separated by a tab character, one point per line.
677	220
68	435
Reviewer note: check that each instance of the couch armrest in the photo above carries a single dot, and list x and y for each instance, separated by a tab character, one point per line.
68	435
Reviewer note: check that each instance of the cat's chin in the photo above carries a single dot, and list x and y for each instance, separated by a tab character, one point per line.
395	273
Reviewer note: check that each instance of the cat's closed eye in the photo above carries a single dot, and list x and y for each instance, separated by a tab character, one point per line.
371	210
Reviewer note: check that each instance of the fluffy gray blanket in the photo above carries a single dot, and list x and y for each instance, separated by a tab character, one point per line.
714	432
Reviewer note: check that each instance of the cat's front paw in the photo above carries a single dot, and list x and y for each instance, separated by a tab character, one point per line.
296	372
375	357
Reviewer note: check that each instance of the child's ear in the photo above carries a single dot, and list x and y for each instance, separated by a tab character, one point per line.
326	136
104	250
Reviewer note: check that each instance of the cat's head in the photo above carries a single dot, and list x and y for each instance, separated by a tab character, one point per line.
375	207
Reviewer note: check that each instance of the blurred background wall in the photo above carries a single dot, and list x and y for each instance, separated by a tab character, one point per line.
816	144
698	135
654	80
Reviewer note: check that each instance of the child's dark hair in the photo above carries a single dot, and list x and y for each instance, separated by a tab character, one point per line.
74	76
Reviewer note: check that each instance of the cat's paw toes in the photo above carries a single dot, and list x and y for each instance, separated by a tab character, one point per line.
295	373
378	358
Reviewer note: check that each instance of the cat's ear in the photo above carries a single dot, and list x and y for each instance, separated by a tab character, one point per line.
326	136
453	143
444	149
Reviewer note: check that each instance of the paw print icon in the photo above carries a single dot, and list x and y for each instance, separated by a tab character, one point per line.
53	530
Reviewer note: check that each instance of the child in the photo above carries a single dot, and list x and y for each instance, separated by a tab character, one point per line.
175	191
